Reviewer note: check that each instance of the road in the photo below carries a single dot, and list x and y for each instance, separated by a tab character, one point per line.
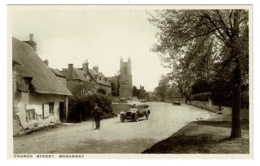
114	136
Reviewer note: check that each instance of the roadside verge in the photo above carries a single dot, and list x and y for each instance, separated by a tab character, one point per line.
206	137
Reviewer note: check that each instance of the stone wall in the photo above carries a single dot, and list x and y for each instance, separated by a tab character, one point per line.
117	108
209	106
244	113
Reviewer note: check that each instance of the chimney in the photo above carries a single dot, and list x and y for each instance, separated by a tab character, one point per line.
70	72
31	42
95	68
31	37
85	66
46	62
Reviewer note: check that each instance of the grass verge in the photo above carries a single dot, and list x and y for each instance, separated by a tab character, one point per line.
206	137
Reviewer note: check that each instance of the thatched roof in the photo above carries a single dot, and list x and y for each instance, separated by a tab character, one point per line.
43	79
57	72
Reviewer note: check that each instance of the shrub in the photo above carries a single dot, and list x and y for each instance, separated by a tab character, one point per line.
201	96
102	91
201	86
81	108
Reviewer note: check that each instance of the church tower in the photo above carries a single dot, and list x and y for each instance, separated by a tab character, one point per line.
125	79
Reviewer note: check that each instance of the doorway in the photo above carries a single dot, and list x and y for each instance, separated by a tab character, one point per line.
62	112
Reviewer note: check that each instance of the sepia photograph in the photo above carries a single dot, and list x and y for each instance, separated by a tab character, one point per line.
122	80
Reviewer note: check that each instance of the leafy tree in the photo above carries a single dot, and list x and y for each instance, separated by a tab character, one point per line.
200	86
135	91
83	89
142	93
163	87
188	38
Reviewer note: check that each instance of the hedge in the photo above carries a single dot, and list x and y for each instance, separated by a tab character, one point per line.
201	96
81	108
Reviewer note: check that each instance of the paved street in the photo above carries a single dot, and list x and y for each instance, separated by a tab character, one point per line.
114	136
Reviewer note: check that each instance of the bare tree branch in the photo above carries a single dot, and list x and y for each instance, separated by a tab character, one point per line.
225	28
217	28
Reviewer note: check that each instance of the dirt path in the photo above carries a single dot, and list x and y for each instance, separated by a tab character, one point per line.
114	136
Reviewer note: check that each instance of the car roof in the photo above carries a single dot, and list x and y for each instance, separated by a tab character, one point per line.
141	105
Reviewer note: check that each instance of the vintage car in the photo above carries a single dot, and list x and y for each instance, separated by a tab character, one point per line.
135	112
176	102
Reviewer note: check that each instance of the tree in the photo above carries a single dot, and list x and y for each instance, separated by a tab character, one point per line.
186	36
83	89
163	87
140	93
114	89
135	91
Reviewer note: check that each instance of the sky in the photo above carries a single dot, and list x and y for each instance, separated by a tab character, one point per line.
101	35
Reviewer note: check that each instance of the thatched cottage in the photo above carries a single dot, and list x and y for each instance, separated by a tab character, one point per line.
39	97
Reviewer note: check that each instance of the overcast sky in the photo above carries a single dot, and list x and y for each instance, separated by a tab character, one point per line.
72	34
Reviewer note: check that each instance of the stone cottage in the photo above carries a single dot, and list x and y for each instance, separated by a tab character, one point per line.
39	98
90	80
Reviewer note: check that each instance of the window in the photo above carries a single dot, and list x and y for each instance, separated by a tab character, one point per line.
45	111
51	108
30	115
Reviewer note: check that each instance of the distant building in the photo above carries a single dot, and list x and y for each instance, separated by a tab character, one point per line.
39	98
122	83
93	79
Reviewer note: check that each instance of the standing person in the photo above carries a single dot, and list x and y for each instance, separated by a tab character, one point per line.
97	116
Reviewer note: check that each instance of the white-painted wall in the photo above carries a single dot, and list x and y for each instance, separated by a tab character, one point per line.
25	101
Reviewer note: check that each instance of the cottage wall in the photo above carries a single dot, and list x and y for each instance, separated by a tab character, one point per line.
26	101
71	84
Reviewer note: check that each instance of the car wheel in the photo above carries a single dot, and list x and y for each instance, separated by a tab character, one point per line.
122	118
136	117
147	115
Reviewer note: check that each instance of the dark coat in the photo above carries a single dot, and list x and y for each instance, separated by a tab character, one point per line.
97	113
